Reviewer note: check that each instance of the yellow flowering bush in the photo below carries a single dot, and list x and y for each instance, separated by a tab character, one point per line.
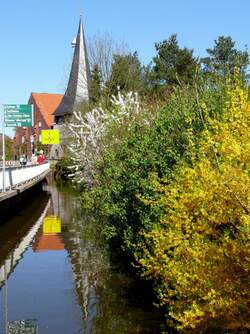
198	254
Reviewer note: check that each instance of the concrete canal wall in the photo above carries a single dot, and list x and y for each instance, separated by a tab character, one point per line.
22	184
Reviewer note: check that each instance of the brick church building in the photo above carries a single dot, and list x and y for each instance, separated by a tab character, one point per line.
51	110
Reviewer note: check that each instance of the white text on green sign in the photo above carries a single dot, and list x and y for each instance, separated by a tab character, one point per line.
16	115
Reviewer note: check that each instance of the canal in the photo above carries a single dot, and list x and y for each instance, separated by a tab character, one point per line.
56	277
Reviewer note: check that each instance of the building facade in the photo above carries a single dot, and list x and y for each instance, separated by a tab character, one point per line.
28	139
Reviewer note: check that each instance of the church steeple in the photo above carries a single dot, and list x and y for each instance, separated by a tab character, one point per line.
79	80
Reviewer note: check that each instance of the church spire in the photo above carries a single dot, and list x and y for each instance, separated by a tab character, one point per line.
79	80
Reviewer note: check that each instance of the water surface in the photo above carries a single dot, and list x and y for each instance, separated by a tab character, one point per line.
55	275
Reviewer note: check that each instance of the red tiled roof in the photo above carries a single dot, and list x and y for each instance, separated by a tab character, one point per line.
47	104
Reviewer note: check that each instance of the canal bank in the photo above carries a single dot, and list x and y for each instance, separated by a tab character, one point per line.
56	271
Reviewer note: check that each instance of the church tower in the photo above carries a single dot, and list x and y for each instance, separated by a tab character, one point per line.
79	80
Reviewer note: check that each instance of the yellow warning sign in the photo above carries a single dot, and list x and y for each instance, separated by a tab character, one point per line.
50	137
51	225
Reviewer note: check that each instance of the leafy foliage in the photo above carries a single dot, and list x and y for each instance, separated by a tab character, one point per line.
198	253
150	146
172	192
8	149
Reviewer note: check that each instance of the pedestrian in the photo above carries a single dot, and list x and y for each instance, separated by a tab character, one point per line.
33	159
41	158
22	160
25	159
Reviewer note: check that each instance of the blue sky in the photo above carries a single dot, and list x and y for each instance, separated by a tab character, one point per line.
35	35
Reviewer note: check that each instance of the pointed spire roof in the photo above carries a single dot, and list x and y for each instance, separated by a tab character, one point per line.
79	80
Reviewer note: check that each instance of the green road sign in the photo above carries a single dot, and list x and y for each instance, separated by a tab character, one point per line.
18	115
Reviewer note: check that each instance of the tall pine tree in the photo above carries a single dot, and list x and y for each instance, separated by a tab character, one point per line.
95	88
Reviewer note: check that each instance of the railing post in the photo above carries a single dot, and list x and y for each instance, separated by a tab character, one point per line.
6	298
3	142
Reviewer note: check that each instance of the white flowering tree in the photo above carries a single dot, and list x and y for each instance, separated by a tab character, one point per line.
88	130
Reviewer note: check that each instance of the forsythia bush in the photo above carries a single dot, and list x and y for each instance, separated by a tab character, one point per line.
198	254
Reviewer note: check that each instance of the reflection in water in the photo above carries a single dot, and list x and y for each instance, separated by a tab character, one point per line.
109	300
23	327
52	225
9	259
49	237
55	269
39	281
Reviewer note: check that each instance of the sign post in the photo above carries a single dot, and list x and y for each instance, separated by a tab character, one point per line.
15	115
3	159
3	154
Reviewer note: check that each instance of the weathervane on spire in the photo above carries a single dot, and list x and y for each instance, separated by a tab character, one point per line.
73	43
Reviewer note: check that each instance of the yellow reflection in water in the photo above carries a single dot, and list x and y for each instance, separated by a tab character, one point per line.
51	225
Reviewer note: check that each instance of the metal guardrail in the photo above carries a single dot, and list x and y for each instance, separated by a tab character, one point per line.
12	163
17	175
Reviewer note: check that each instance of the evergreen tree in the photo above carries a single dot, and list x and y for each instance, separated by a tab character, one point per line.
224	58
95	88
126	73
173	65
